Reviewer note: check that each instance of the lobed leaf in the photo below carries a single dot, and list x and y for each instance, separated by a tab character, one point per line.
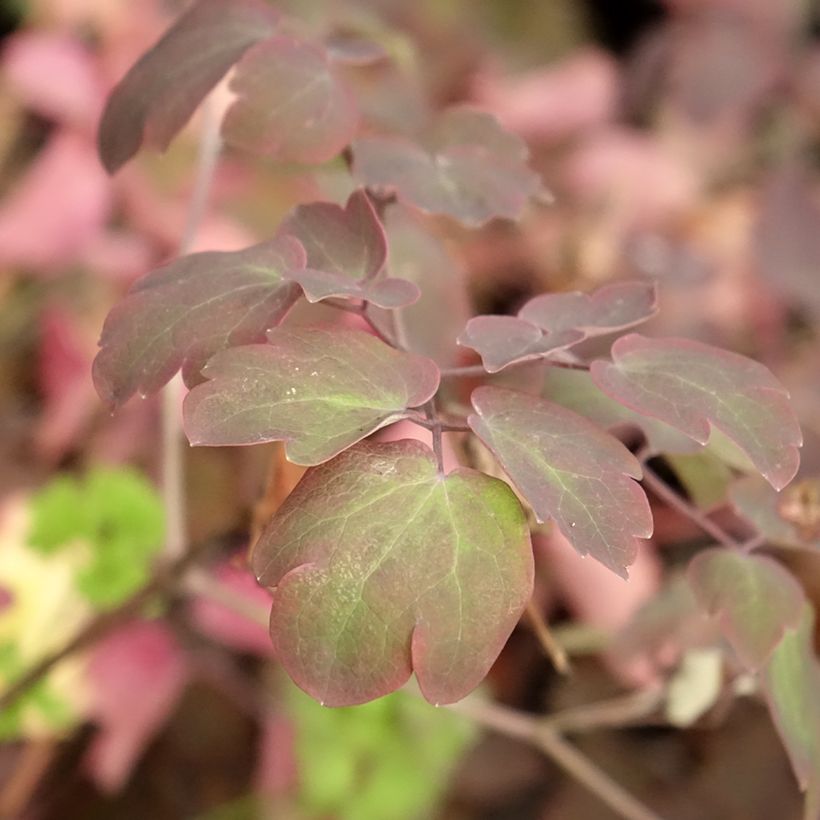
568	470
467	167
791	681
159	94
181	314
695	387
318	389
348	242
291	104
753	597
380	566
556	321
384	293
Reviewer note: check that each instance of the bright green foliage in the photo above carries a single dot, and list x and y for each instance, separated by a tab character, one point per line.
116	514
394	752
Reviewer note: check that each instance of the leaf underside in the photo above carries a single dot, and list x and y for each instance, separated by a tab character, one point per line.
694	387
181	314
318	389
568	470
380	567
161	91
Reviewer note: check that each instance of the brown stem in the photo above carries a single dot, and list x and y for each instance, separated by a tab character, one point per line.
555	652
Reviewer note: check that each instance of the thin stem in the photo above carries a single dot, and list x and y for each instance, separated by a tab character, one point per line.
652	480
627	710
360	309
554	651
538	733
435	428
173	441
478	370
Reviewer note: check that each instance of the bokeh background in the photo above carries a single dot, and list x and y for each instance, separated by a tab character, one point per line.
681	139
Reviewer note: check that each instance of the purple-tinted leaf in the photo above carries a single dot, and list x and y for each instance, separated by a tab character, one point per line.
431	324
380	567
556	321
291	103
694	387
754	598
468	167
318	389
788	519
791	681
575	390
385	293
354	49
568	470
181	314
347	241
158	95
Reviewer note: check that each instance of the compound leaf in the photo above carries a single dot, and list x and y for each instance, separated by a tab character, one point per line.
556	321
291	104
318	389
467	167
381	566
158	95
694	387
181	314
754	598
348	242
791	681
568	470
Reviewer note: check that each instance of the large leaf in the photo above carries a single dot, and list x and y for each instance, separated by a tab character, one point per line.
181	314
291	103
382	566
694	387
467	167
318	389
556	321
158	95
568	470
791	681
754	598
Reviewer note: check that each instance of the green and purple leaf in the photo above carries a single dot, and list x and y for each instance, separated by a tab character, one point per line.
791	681
380	567
467	167
181	314
557	321
317	389
695	387
159	94
753	597
291	103
568	470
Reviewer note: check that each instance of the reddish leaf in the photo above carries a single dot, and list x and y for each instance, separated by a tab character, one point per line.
291	103
754	598
694	387
318	389
467	167
181	314
384	293
158	95
380	566
556	321
568	470
348	242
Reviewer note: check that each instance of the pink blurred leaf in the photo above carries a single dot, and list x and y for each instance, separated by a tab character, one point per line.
181	314
354	49
318	389
57	209
136	676
694	387
753	597
568	470
157	97
363	596
556	321
31	62
467	167
347	241
292	105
